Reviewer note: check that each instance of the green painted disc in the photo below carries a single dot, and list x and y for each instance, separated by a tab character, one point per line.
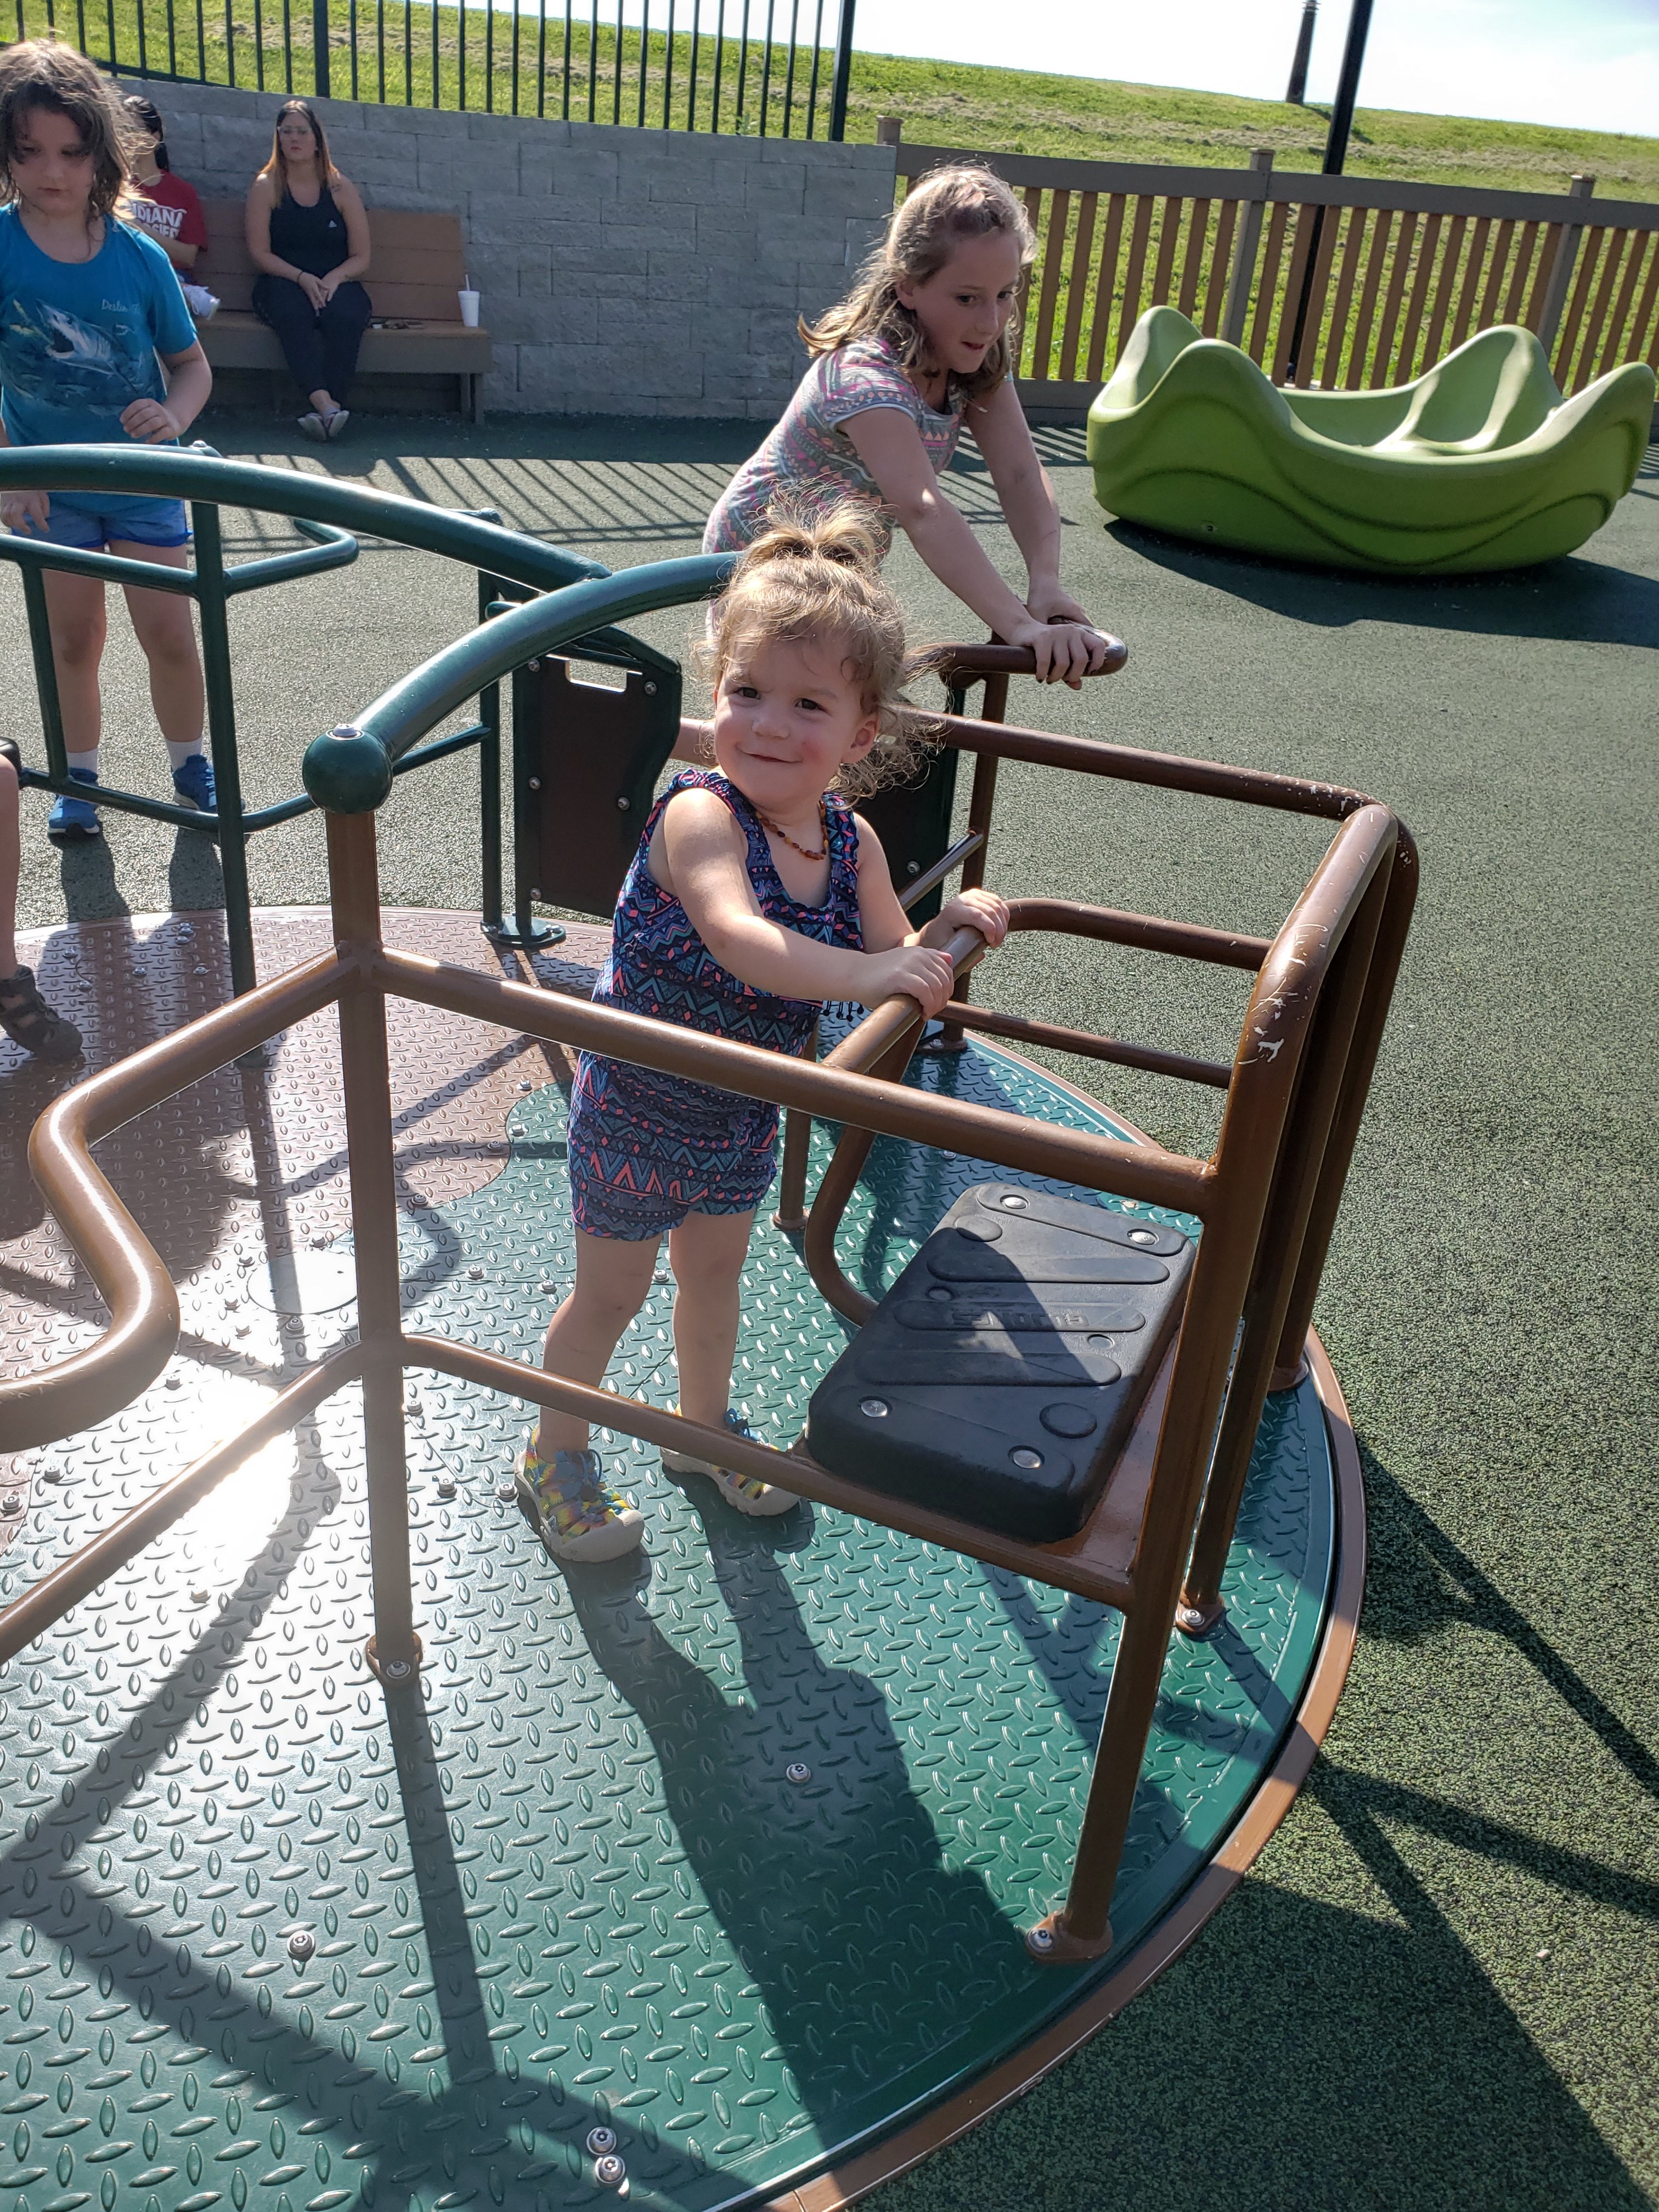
573	1882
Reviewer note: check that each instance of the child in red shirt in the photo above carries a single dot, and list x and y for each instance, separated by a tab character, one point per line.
165	205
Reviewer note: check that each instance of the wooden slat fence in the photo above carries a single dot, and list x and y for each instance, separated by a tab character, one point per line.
1402	273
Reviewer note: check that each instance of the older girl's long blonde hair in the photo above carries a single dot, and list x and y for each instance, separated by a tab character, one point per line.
947	207
819	577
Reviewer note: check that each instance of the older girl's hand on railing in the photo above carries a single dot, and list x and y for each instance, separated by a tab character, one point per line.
1064	651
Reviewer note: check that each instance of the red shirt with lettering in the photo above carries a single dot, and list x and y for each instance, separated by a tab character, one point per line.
170	211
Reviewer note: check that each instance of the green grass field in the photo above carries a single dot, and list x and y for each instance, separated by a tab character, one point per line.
1018	111
479	58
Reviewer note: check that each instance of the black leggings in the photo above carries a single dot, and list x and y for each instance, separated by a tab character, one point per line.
320	345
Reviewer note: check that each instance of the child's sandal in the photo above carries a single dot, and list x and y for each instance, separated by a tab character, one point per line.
762	1501
27	1020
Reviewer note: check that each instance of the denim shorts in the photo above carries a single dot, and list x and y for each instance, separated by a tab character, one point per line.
88	521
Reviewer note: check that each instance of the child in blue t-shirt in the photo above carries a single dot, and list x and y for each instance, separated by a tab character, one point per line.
91	316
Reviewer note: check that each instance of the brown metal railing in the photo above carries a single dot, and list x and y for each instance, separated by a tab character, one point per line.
1266	1199
1402	272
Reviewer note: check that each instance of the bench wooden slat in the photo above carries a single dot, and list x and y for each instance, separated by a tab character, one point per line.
409	249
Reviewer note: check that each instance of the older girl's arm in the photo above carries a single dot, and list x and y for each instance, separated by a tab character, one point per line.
1004	438
701	856
890	446
190	381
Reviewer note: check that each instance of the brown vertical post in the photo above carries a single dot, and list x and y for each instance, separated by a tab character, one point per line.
791	1215
981	802
1385	956
394	1650
1296	1179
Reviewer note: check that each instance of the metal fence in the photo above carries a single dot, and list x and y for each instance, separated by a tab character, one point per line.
757	68
1401	273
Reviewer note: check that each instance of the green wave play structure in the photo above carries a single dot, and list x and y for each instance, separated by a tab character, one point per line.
1480	463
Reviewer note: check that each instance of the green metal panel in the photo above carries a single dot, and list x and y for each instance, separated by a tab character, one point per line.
572	1882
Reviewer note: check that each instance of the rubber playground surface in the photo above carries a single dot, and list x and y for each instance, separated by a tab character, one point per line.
1439	1983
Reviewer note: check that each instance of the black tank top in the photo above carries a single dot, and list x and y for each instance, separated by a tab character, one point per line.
309	238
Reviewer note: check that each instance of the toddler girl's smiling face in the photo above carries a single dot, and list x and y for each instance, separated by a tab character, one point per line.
787	716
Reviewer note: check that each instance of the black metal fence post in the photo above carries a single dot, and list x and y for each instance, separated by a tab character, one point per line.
1336	152
211	601
843	70
319	41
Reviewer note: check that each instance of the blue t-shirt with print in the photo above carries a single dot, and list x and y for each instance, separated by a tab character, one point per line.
78	339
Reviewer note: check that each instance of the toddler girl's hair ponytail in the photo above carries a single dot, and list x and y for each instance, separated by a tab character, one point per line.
945	209
842	535
45	73
817	578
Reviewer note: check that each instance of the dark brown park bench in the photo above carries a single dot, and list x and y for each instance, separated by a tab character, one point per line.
417	272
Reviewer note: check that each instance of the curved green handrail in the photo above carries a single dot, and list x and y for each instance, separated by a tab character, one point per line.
350	770
168	472
322	509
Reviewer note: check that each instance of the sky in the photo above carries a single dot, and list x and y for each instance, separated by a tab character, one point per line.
1583	64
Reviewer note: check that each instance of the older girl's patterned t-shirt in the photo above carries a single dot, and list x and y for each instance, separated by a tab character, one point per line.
810	458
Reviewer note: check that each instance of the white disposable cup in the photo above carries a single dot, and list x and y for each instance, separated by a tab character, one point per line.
469	309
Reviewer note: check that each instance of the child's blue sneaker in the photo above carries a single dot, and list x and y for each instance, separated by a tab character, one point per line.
577	1513
194	779
72	820
760	1500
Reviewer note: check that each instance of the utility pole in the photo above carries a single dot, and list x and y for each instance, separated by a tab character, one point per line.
1347	89
1336	152
1296	93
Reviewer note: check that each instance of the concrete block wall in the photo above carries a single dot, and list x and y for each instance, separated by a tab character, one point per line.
623	272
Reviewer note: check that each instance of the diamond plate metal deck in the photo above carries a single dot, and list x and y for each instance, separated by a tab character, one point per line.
573	1883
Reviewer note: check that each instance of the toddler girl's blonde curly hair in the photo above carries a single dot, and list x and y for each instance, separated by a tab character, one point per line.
819	577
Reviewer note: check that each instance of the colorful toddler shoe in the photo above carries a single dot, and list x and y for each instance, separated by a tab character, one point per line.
72	820
27	1019
762	1500
578	1514
193	781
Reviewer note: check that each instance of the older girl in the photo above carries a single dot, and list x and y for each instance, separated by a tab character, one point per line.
308	236
96	348
923	346
755	894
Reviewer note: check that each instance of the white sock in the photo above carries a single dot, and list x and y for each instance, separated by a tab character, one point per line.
83	761
178	755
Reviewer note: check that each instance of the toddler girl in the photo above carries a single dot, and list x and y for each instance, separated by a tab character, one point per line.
86	306
756	893
925	344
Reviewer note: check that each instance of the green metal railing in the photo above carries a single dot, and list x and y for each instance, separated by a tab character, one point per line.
330	515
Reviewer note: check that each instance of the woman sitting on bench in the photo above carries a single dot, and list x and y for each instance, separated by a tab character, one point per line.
308	236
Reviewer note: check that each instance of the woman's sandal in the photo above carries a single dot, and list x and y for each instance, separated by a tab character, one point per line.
27	1020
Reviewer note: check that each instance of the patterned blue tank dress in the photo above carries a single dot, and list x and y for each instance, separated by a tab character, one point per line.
647	1149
